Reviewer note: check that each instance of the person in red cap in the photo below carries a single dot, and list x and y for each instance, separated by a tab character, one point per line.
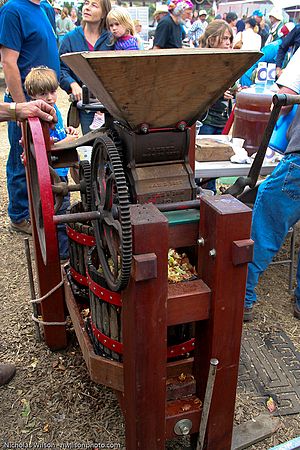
290	43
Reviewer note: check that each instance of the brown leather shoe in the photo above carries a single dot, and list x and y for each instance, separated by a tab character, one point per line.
7	372
21	227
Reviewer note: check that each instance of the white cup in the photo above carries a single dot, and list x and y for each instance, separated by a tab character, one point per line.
85	152
238	142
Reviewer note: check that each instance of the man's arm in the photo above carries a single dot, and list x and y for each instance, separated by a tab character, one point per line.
22	111
69	82
290	77
289	81
287	41
12	75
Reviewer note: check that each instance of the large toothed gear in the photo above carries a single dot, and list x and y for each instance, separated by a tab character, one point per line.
110	198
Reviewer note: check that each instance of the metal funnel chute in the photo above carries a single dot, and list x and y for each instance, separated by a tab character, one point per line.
159	87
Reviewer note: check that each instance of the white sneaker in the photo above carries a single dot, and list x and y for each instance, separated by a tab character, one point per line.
98	122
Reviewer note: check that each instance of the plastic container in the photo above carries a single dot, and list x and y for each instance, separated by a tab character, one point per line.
251	116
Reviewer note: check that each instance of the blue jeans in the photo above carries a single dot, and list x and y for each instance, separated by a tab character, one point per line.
276	209
86	118
63	242
210	129
18	208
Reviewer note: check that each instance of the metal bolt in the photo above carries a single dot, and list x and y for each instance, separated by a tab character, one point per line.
201	242
182	126
212	253
144	128
183	427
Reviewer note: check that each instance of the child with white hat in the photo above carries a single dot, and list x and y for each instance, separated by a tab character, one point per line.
198	27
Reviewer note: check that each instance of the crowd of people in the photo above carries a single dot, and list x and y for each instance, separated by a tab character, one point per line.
33	70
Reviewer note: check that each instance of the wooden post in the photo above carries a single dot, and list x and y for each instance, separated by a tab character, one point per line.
225	226
53	307
145	331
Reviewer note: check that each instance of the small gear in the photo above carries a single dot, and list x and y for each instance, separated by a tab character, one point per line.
85	184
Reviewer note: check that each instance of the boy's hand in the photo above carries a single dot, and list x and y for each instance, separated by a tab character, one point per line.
72	131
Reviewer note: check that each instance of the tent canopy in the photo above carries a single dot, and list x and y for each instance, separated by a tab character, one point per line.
285	3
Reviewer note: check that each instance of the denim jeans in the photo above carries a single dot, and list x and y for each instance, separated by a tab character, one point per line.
86	118
210	129
63	242
276	209
18	208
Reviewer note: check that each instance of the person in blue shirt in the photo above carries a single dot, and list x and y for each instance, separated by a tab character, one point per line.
27	39
41	84
91	35
50	13
269	56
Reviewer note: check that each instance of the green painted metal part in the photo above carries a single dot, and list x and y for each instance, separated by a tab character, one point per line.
183	216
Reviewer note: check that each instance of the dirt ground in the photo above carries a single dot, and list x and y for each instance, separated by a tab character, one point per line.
51	400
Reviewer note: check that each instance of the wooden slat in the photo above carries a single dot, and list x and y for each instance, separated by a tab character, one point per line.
178	387
101	370
176	368
188	302
184	235
156	75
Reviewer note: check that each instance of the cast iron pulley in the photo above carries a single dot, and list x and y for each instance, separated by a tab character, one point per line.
113	229
85	184
41	189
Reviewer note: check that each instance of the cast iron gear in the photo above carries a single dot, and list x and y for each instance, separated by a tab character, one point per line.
113	229
114	136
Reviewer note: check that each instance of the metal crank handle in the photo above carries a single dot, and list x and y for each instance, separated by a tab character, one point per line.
238	187
286	99
207	402
77	217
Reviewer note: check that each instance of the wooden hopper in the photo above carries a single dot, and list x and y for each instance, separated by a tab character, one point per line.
159	87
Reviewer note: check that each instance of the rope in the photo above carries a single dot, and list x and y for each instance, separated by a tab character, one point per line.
35	319
39	300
